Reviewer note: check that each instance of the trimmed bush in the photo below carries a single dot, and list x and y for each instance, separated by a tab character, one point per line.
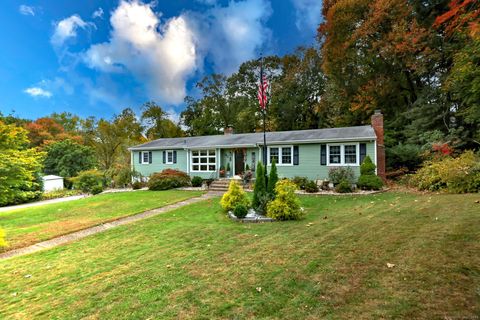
233	197
168	179
88	181
286	205
260	189
3	242
97	190
137	185
300	182
456	175
369	182
272	180
197	181
240	211
344	187
311	187
367	167
337	174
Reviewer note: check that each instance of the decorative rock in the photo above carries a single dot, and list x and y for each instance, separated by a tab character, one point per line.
252	216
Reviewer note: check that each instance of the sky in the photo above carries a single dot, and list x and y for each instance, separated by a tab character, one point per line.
95	58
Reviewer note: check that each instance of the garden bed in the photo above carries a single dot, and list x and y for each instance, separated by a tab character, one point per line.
334	193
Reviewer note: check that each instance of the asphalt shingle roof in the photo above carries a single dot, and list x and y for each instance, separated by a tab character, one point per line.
255	139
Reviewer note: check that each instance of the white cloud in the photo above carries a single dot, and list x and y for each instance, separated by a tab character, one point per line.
308	14
26	10
67	28
38	92
233	34
98	13
161	55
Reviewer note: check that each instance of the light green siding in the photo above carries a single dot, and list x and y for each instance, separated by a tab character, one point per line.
157	164
309	163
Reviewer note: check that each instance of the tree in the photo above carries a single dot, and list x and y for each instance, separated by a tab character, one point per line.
67	158
157	124
45	130
272	180
20	167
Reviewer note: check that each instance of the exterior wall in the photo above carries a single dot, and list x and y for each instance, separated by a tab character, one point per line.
51	185
309	163
157	164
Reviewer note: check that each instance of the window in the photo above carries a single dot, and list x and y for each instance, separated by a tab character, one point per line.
169	155
203	160
145	157
350	154
254	163
343	154
282	155
335	155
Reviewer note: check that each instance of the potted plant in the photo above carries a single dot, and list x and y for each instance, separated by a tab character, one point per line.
228	169
222	172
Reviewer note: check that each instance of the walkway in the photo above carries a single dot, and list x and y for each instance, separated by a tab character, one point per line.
41	203
101	228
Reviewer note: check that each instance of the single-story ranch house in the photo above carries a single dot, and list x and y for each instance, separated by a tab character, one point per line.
309	153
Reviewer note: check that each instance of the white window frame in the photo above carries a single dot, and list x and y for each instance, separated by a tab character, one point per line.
342	154
166	156
280	162
208	164
143	157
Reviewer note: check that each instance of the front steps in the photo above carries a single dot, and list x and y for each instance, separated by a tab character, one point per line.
219	185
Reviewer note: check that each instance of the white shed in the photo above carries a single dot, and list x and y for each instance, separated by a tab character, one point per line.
51	183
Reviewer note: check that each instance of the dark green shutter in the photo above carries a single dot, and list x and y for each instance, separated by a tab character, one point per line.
363	151
140	157
323	154
296	157
164	156
149	156
174	156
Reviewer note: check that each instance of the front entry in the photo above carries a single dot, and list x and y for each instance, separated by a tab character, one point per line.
239	162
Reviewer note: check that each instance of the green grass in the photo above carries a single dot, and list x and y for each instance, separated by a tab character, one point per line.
30	225
196	263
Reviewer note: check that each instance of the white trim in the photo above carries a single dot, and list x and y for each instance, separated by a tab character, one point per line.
375	152
166	157
280	163
191	164
143	157
342	154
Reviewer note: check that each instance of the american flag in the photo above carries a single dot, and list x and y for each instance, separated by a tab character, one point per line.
262	92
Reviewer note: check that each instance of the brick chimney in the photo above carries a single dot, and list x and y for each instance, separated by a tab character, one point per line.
377	124
228	130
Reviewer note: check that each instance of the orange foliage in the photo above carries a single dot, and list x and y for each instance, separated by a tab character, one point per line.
46	130
462	14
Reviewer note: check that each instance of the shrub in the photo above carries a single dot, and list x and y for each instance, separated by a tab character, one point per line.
197	181
336	175
97	189
344	187
311	186
369	182
234	197
259	189
272	180
404	155
137	185
88	181
59	194
286	205
456	175
300	182
367	167
3	242
168	179
240	211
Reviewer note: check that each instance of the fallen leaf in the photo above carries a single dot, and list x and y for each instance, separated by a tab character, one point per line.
28	276
259	289
390	265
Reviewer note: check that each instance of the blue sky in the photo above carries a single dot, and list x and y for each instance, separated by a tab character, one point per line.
98	57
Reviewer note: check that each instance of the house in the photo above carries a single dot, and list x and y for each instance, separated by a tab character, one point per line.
309	153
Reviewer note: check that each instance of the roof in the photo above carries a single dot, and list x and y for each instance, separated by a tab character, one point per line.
255	139
51	177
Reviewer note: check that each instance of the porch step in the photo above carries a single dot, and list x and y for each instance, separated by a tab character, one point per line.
220	185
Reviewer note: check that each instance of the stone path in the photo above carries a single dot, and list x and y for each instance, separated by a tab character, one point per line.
41	203
101	228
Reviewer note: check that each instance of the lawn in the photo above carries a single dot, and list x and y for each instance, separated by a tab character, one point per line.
195	263
30	225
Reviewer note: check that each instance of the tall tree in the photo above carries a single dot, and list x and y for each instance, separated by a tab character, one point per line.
157	123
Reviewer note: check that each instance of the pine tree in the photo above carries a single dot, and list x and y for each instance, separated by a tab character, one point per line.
260	189
272	180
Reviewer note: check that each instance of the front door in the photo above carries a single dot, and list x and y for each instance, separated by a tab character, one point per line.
239	162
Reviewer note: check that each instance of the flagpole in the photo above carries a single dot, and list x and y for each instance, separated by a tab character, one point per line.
264	111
